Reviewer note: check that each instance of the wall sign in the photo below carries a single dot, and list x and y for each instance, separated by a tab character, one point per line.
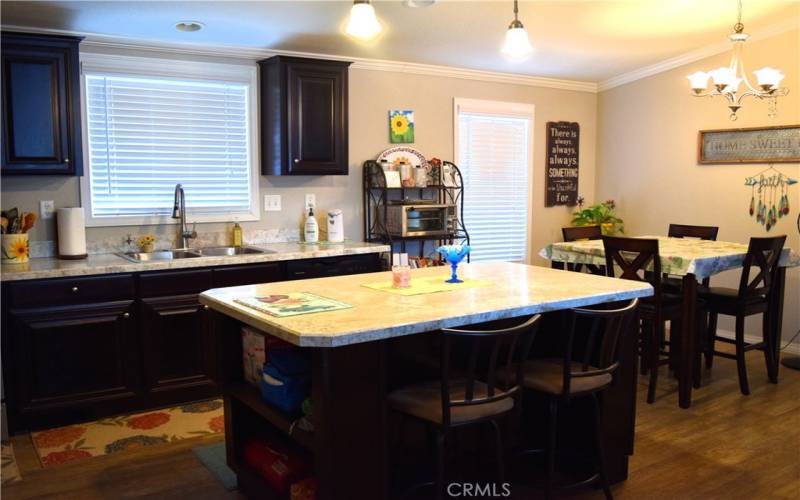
561	174
749	145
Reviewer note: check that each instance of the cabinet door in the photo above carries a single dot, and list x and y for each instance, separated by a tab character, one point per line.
317	121
72	357
178	348
41	128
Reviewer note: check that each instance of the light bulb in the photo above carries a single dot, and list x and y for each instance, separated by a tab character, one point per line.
517	45
363	23
698	80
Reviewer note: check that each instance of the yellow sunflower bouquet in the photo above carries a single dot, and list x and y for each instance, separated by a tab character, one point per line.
147	243
15	227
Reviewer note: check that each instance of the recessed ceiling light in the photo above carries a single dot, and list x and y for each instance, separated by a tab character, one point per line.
189	26
418	4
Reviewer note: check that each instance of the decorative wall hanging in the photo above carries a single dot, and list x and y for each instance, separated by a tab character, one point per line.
779	144
401	126
771	188
561	175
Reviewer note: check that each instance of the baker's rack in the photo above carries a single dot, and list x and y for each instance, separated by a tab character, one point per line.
377	196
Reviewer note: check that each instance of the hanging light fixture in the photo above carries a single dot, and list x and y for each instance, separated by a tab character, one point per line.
363	23
517	45
727	80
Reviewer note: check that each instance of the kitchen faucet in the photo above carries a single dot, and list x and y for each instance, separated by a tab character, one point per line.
179	212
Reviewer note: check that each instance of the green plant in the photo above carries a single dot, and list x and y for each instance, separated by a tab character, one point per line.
601	215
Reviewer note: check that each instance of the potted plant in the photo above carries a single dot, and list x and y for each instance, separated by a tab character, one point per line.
601	215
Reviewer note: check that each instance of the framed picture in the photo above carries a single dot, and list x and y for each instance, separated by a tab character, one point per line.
780	144
401	126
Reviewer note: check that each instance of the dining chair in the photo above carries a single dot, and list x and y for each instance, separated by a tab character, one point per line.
639	260
752	297
585	368
708	233
583	233
469	391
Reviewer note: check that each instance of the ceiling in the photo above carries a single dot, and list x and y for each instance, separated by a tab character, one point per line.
578	40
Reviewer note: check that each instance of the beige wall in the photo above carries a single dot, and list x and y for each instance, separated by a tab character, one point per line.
647	159
372	94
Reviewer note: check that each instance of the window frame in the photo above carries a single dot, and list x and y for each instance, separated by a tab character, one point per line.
501	108
211	72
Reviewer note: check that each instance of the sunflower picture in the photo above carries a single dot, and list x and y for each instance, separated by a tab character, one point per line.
401	126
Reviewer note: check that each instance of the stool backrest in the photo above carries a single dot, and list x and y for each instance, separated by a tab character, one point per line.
486	353
633	255
687	231
762	256
600	353
583	233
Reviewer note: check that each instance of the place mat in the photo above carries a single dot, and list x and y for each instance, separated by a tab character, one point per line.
421	286
292	304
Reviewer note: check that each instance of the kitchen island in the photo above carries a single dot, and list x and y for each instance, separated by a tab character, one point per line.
349	443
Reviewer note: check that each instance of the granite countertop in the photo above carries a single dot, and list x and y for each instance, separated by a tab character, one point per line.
51	267
515	290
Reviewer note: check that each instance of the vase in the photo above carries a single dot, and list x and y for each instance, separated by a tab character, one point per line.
454	254
15	248
147	248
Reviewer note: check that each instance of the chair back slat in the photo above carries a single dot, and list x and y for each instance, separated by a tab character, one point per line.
583	233
762	258
634	256
687	231
489	351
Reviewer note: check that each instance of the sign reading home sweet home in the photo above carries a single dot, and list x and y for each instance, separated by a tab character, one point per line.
561	174
779	144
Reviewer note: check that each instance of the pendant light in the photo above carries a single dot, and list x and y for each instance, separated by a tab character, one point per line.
363	23
517	45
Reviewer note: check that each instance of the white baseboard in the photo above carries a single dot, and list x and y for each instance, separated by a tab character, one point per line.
793	348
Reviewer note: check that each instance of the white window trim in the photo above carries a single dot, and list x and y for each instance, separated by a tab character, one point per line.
212	72
501	108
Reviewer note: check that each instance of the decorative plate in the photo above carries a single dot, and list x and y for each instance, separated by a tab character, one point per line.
411	155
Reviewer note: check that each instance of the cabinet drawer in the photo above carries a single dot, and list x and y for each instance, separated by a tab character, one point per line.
336	266
174	282
64	291
247	274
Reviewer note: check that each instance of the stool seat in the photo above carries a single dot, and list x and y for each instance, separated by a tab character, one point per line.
547	375
424	401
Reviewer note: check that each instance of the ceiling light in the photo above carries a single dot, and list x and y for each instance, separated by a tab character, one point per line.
363	23
419	4
189	26
727	80
517	45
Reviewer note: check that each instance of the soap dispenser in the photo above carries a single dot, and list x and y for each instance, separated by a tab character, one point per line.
311	230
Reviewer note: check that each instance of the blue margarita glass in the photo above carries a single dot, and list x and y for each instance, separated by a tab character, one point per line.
454	254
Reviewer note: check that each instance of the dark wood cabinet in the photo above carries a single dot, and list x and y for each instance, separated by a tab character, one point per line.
304	116
335	266
41	105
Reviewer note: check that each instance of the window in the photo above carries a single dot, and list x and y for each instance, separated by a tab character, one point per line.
151	126
493	147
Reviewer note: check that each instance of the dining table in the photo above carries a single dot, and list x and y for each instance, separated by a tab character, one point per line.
693	260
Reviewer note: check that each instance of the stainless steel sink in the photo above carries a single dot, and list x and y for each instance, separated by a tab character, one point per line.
230	251
160	255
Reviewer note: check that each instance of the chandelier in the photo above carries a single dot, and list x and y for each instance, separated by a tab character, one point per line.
728	80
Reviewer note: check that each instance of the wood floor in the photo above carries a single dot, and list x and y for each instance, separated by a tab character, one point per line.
727	446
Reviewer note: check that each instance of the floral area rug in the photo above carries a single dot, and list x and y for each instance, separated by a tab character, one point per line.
128	432
9	472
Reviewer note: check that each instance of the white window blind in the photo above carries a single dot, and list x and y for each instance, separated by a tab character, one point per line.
147	134
493	155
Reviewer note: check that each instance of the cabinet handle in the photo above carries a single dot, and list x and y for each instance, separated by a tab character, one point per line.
126	315
66	160
74	289
205	308
297	160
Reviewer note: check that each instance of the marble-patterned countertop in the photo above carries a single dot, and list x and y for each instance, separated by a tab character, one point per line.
515	290
50	267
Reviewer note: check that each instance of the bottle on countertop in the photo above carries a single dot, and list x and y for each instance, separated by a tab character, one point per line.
237	234
311	230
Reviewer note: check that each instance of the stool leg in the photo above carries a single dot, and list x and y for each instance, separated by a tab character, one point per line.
440	441
601	461
740	356
501	473
645	331
769	349
551	448
711	338
653	356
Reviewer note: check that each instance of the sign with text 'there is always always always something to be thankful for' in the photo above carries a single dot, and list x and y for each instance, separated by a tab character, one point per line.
561	174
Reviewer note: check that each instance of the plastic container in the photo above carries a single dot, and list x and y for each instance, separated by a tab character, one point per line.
286	379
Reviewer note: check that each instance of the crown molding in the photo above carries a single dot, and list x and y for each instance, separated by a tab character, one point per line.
249	54
693	56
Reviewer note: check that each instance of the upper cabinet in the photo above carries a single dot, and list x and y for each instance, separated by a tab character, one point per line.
41	105
303	116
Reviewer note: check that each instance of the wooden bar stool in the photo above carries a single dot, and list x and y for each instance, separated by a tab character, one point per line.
470	394
585	369
633	256
752	297
583	233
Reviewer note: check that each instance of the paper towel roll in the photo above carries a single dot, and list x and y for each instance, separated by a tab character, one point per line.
71	233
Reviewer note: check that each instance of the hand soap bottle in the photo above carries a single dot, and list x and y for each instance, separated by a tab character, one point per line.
311	230
237	234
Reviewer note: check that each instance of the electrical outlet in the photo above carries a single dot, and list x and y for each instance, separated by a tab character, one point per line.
46	209
272	203
311	201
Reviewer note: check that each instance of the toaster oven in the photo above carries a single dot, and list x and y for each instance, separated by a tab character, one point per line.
418	220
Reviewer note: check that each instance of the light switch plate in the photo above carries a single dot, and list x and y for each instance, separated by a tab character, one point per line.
46	209
272	203
311	201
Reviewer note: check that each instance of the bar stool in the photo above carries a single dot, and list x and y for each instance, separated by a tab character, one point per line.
471	394
583	233
585	369
752	297
633	256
